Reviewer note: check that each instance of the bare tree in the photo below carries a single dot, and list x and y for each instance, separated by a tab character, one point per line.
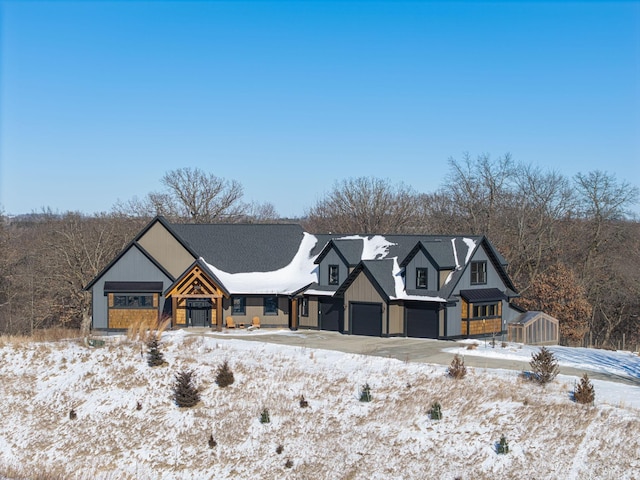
364	205
191	195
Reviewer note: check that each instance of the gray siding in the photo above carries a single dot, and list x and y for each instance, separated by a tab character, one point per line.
133	266
421	261
332	258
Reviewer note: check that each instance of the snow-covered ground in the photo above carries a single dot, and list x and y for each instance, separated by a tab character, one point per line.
336	437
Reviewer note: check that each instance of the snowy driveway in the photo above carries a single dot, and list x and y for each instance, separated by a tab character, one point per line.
622	367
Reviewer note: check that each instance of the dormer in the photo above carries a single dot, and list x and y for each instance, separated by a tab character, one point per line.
421	270
337	260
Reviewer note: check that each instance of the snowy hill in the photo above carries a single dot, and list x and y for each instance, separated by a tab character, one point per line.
336	437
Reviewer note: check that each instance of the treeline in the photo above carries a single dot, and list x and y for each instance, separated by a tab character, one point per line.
572	244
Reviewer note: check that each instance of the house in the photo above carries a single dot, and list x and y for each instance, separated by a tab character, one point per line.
392	285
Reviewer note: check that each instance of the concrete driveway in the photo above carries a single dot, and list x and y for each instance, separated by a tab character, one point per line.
406	349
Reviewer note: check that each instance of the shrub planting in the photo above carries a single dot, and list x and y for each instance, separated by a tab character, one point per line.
72	414
544	366
303	402
155	358
185	393
457	369
212	442
224	377
365	394
502	447
264	416
584	392
436	411
279	449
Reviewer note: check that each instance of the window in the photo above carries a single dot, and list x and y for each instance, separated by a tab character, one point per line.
421	278
333	275
270	305
487	310
133	301
304	307
478	273
238	306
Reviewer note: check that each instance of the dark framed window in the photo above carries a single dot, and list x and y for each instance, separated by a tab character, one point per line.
421	278
486	310
238	305
133	301
334	277
270	305
304	307
478	273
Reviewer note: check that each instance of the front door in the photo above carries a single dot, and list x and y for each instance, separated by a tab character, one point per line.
199	312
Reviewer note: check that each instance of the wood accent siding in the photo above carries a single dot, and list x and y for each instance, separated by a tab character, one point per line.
464	309
167	251
482	327
123	318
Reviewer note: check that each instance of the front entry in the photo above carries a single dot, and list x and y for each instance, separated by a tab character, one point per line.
199	312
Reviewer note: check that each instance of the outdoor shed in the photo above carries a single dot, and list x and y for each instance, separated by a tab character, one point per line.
534	328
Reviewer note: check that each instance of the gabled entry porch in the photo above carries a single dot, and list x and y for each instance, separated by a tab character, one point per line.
196	299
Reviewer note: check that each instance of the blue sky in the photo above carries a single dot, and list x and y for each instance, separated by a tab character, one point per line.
99	99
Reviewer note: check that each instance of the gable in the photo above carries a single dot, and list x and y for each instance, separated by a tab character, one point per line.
166	249
197	282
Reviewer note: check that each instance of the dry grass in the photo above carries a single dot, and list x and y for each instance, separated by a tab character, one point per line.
142	329
41	336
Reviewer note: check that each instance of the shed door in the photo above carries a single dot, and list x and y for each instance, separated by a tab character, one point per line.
422	321
199	313
366	319
332	314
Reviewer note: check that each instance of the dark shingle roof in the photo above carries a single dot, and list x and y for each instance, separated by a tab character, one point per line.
236	248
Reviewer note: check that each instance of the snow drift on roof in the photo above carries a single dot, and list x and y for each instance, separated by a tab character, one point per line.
374	248
300	272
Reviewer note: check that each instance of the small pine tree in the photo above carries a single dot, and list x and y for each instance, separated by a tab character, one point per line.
224	377
288	463
264	416
211	442
155	358
279	449
544	366
436	411
457	369
185	394
503	446
584	392
303	402
72	414
365	394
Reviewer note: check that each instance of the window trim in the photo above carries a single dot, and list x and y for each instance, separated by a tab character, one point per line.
474	273
330	280
270	312
483	310
128	306
243	301
425	278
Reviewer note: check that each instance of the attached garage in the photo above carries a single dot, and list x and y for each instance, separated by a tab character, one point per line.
366	318
422	320
331	314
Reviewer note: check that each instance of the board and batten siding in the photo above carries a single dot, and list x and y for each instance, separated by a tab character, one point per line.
132	266
396	320
167	251
254	307
421	261
332	258
312	320
362	290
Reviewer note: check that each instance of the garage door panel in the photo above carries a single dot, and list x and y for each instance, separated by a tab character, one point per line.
422	321
332	315
366	319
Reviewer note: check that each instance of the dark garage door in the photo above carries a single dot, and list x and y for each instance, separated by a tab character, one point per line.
422	321
332	315
366	319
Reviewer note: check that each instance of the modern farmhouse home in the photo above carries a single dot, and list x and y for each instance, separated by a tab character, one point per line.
429	286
